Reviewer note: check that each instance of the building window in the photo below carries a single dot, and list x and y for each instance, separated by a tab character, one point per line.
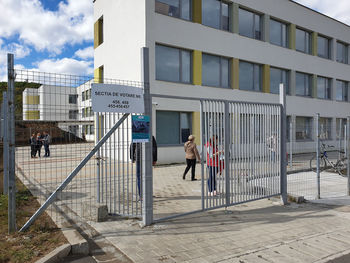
278	33
173	64
303	41
303	84
323	88
250	76
303	128
92	129
88	94
278	76
340	128
73	99
342	53
215	71
173	128
83	96
215	13
323	47
73	114
342	91
176	8
98	32
249	24
325	128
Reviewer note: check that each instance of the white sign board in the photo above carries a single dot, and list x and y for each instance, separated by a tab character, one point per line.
116	98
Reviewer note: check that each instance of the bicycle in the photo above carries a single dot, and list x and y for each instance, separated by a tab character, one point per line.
325	163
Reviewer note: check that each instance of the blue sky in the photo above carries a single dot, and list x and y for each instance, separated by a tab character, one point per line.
57	35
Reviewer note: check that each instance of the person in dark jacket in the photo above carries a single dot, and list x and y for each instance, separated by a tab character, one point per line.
32	142
39	143
136	156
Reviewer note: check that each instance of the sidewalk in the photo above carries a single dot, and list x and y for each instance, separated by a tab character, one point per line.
261	231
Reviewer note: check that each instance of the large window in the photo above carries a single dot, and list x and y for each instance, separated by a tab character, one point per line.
323	47
342	52
325	128
250	76
173	128
73	99
303	41
278	76
340	128
73	114
215	13
215	71
278	33
249	24
175	8
173	64
303	128
303	84
342	92
323	88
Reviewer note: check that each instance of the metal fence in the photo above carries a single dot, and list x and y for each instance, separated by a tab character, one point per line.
310	139
55	130
242	145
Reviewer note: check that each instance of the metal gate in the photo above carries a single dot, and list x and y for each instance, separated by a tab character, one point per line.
72	161
241	146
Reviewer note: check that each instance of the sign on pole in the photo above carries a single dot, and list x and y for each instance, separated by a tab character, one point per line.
117	98
140	128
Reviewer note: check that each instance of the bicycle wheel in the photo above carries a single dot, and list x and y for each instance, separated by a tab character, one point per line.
340	167
313	164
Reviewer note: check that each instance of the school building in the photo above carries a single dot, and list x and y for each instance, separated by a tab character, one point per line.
234	50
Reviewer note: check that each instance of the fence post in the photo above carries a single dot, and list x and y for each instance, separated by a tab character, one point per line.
291	144
348	151
5	122
203	156
339	137
147	179
283	102
11	136
317	128
227	152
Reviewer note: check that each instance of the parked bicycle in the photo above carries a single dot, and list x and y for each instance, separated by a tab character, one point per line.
339	166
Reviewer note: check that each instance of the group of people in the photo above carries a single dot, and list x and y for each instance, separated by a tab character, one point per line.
215	162
37	141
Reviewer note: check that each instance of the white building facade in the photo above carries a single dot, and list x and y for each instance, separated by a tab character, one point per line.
234	50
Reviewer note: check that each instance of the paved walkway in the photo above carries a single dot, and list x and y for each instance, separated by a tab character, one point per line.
261	231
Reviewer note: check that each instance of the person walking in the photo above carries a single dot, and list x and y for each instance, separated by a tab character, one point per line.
46	141
191	157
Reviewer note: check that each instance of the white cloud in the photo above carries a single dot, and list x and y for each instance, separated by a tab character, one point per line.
85	53
66	66
338	10
72	23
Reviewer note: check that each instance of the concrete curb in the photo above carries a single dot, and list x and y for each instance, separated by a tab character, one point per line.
79	245
56	255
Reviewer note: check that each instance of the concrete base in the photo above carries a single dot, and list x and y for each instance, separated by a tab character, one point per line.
79	245
94	212
296	199
57	255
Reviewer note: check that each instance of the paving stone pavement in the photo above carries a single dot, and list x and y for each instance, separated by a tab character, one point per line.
261	231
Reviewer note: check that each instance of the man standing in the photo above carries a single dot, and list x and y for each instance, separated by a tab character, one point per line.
47	141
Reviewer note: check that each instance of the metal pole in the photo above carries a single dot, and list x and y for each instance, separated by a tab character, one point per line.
98	157
11	182
70	177
227	152
291	144
5	143
340	133
283	103
318	156
202	136
348	151
147	178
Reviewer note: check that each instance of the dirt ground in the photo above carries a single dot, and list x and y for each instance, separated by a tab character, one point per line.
41	238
